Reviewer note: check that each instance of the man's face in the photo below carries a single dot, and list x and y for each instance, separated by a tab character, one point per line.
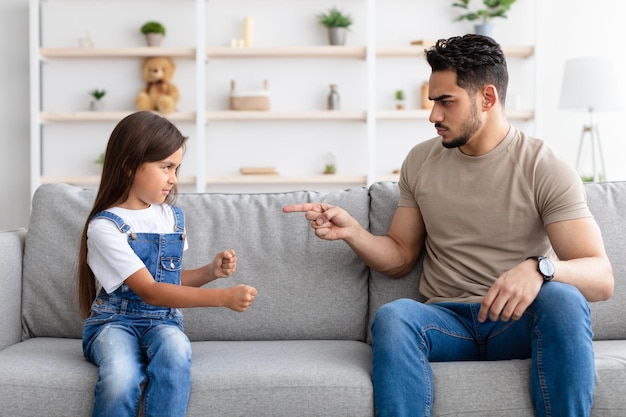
454	113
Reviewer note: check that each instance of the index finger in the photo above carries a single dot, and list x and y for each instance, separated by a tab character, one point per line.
485	305
293	208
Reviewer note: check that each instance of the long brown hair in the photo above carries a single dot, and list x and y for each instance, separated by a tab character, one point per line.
139	137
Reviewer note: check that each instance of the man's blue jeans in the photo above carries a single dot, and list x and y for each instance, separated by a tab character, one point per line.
555	332
131	353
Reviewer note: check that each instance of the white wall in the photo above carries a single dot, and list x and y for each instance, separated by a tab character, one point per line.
579	30
14	115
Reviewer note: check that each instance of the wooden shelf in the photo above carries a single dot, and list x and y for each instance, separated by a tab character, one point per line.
387	177
241	116
424	114
288	52
520	114
418	51
356	52
106	116
248	116
286	179
402	114
94	180
108	53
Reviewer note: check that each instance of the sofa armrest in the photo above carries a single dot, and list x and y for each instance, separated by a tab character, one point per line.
11	254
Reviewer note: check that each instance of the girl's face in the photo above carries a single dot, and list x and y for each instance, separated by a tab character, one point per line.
153	182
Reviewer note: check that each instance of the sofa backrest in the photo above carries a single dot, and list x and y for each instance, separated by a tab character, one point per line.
607	202
308	288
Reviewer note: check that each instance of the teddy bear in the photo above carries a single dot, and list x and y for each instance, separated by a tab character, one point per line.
160	93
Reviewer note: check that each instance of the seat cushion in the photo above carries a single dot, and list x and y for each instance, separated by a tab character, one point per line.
281	379
49	377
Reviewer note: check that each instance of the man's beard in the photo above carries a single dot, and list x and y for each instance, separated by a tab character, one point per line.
469	128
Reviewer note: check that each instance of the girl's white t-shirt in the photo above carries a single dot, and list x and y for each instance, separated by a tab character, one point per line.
109	255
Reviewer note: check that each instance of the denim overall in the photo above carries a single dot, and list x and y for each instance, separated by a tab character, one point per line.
133	342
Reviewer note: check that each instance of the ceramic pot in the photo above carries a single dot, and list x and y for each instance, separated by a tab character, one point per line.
337	36
485	29
96	105
154	39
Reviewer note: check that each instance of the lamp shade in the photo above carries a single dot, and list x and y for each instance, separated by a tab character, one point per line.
590	84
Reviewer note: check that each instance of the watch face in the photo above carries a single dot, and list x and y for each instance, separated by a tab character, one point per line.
546	267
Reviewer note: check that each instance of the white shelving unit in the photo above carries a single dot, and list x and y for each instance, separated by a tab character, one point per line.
203	56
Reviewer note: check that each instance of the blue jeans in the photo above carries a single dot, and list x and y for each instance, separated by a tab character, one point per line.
555	332
131	352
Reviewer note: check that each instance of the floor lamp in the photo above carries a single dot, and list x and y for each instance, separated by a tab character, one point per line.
591	84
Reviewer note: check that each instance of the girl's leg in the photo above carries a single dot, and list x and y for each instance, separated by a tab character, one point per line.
121	371
169	371
407	335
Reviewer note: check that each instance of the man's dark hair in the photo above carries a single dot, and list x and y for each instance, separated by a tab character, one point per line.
477	60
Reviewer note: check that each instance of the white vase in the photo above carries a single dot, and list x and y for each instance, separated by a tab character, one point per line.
96	105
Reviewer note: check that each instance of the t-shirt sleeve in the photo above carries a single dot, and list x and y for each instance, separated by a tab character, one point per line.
109	255
561	193
408	173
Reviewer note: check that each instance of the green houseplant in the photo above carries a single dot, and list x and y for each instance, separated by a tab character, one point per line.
154	32
400	99
331	165
96	99
337	24
491	9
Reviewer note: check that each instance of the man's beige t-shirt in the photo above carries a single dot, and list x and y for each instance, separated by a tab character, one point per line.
483	215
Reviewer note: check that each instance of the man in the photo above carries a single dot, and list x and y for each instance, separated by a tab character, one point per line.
513	253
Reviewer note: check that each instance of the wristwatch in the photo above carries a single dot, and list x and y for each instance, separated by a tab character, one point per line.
545	267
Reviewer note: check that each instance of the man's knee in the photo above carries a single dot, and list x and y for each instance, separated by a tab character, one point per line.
561	299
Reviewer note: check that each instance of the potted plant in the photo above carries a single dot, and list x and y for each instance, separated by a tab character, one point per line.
96	99
491	9
400	99
337	24
154	32
331	165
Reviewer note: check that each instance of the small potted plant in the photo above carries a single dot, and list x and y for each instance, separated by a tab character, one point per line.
337	24
96	99
491	9
400	99
154	32
331	165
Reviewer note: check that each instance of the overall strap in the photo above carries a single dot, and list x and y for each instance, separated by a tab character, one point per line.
122	227
179	218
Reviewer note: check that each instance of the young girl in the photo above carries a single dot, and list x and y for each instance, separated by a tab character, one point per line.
131	282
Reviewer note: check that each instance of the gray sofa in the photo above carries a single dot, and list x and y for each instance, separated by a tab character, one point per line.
302	349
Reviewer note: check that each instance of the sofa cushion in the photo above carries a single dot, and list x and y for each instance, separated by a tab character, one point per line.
308	288
607	202
50	377
46	377
49	301
11	252
385	196
282	379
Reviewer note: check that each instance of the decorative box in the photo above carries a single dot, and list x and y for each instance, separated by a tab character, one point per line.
249	100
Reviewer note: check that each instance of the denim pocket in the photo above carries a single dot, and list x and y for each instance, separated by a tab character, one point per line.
98	318
171	263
